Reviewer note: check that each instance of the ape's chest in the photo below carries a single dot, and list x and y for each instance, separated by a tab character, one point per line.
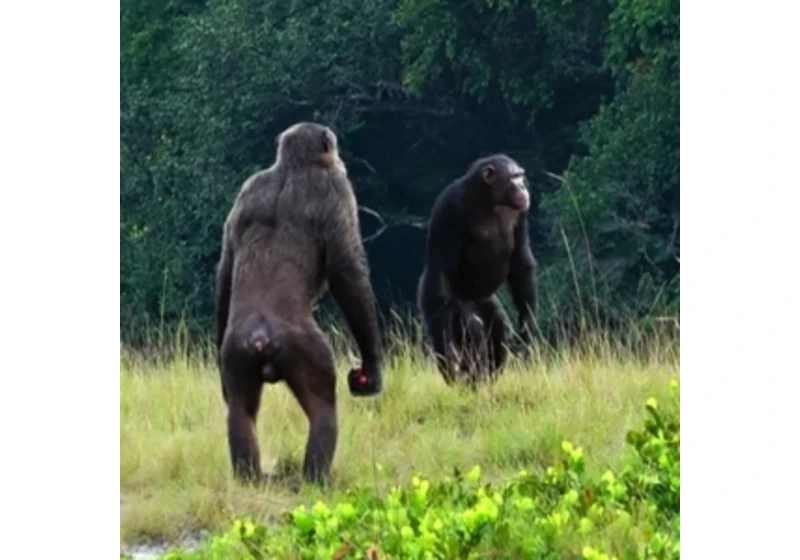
484	260
488	241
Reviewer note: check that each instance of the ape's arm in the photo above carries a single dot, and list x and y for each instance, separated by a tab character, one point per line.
223	290
349	284
521	279
441	262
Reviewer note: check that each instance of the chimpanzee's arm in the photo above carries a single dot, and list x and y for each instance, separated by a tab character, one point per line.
349	284
223	290
521	279
441	259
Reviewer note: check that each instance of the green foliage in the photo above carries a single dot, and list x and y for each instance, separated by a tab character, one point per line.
416	89
619	209
526	49
558	513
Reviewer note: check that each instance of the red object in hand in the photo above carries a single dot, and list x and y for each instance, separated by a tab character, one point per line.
362	377
361	382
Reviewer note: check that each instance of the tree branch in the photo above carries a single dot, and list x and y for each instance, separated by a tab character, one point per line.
372	213
365	163
415	222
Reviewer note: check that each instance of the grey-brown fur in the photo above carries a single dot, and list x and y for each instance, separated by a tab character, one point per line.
292	232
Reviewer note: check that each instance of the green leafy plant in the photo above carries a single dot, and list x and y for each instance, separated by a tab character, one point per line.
557	513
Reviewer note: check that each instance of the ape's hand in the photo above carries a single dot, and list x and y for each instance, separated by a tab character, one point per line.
365	381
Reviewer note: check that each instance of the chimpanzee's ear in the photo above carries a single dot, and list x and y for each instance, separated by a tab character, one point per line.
488	173
327	141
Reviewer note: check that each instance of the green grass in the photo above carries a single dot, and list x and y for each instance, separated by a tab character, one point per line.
175	475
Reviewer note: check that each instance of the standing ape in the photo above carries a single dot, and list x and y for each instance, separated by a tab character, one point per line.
292	229
477	240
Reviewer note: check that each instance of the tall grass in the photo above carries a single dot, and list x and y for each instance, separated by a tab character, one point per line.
175	474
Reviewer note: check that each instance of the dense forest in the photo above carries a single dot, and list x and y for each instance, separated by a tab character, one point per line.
585	95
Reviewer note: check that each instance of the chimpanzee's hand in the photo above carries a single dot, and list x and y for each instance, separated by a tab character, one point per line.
366	381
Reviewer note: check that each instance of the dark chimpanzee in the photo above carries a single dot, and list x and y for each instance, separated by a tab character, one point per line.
477	240
292	231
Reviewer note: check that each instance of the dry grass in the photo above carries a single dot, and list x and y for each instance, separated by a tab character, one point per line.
175	473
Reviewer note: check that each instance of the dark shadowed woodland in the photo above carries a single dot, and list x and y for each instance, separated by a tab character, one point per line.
585	95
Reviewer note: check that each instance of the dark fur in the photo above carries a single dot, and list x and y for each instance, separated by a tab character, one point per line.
292	229
477	240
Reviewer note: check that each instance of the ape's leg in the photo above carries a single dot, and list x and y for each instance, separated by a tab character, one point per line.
474	351
496	326
445	333
469	354
310	372
241	388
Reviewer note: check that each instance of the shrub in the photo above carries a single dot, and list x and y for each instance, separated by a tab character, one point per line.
557	513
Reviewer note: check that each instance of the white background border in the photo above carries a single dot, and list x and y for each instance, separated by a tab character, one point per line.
59	218
739	304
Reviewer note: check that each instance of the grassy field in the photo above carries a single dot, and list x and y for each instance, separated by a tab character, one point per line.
175	474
